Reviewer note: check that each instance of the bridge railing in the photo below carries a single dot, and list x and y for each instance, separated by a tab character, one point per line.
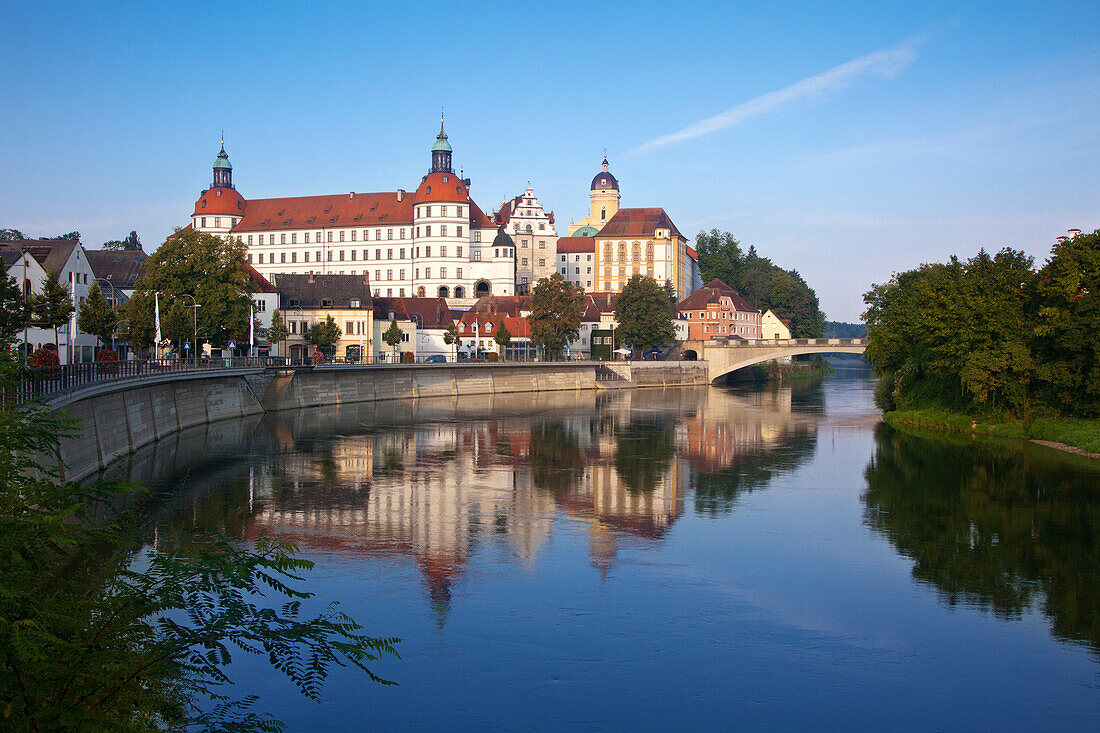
757	343
58	380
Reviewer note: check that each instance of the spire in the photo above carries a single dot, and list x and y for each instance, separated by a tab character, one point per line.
441	151
223	170
605	160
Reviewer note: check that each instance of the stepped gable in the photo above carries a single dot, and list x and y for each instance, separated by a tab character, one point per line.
638	223
337	210
121	267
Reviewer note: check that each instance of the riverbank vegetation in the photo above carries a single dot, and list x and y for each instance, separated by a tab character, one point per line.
991	344
99	632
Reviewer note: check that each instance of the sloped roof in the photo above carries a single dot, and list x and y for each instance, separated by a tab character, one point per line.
692	253
517	325
263	285
339	210
429	313
478	218
121	267
9	255
309	290
52	254
638	223
712	293
507	304
576	245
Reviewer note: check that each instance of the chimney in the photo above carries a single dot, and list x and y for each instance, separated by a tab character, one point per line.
310	276
351	195
400	194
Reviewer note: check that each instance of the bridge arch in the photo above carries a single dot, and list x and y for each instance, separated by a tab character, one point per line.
723	358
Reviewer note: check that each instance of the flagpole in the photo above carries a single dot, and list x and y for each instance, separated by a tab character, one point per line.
156	306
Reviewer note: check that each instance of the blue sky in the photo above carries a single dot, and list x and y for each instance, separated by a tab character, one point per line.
848	140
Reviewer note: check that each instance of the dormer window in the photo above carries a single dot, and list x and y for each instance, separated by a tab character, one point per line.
326	302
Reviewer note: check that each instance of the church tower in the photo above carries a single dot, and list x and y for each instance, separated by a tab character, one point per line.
223	171
603	202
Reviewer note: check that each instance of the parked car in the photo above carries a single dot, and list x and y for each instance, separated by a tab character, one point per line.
436	359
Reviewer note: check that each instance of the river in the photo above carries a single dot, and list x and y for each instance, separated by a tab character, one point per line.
692	558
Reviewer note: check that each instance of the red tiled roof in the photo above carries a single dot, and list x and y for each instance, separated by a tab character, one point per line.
713	292
431	313
339	210
573	245
220	201
442	187
517	325
478	219
508	304
262	284
692	253
638	223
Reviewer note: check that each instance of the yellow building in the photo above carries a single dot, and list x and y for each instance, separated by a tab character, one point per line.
603	203
305	300
642	242
775	327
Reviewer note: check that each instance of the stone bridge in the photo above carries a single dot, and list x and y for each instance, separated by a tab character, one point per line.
723	357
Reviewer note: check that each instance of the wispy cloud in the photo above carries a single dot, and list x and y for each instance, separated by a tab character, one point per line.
883	64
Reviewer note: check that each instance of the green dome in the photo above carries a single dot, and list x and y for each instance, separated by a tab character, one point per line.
585	231
222	160
441	142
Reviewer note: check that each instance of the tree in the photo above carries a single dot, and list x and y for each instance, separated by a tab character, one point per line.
53	307
644	314
325	334
208	268
451	337
140	328
1068	329
760	282
278	332
14	309
131	243
97	316
557	306
393	336
100	634
11	235
503	337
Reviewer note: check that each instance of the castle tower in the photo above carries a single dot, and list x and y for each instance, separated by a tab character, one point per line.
603	202
441	152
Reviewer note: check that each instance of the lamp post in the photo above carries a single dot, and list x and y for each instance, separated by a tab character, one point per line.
194	319
26	302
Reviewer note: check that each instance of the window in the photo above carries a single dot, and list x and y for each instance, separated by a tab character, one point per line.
459	251
377	274
341	235
389	234
349	327
261	258
293	256
250	239
292	326
204	218
542	225
326	302
542	263
366	253
477	255
353	233
429	210
477	236
563	271
401	294
249	260
329	255
353	255
294	238
317	238
524	262
458	273
217	221
328	236
427	273
377	233
458	231
428	251
443	230
318	255
443	251
428	231
305	237
401	274
402	253
401	233
563	258
389	274
389	254
366	234
442	210
377	254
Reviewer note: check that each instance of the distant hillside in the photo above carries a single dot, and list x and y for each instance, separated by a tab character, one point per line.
841	330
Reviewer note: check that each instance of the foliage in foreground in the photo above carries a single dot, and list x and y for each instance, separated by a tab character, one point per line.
97	636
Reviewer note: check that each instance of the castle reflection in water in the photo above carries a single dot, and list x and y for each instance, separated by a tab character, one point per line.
434	480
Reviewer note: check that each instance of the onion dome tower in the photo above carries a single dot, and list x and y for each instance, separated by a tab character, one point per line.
441	152
223	170
603	197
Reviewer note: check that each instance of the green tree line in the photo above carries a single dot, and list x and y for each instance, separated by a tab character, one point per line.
991	334
760	281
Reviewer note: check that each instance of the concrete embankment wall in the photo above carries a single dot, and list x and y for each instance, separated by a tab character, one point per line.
118	418
115	420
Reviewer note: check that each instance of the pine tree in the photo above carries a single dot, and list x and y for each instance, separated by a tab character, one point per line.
53	307
278	332
97	316
503	337
393	336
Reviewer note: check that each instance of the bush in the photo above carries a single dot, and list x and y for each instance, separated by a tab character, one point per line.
44	358
108	361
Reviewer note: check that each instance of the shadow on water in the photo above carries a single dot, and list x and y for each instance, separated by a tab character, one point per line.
1004	528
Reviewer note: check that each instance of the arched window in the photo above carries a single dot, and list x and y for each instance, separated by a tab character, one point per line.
444	292
636	252
460	292
603	214
420	292
529	230
607	252
622	251
649	251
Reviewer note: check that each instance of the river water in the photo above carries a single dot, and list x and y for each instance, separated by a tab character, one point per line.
692	558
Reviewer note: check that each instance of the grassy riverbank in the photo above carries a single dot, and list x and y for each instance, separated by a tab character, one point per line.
1083	435
796	372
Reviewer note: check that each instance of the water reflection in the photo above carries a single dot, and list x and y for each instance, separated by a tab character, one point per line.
436	480
1001	528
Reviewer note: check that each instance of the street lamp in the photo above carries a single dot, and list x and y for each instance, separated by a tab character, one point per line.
194	320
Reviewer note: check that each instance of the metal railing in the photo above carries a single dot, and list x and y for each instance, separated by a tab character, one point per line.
58	380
